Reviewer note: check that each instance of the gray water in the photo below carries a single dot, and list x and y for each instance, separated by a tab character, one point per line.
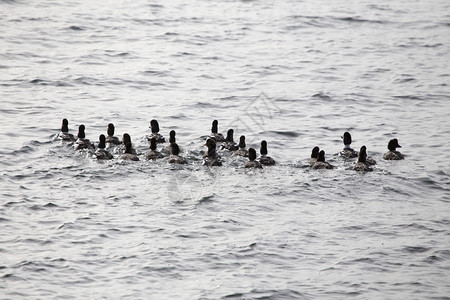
295	73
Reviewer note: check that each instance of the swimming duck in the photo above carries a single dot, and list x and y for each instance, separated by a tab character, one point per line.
263	158
174	157
314	155
348	151
393	154
153	153
101	152
82	142
252	163
320	163
362	165
172	139
64	134
126	138
217	137
210	158
241	151
129	155
111	139
229	143
155	132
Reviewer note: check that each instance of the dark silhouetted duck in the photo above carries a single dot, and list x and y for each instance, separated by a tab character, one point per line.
129	155
252	163
215	135
155	132
264	159
314	155
362	165
82	142
172	139
211	158
126	138
321	163
64	134
153	153
393	154
229	143
111	139
101	152
175	157
242	151
348	151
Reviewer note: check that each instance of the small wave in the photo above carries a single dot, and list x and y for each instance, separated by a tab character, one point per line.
415	249
287	133
359	20
39	81
321	95
282	294
76	28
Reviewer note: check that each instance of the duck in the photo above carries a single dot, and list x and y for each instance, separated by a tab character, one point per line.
154	125
174	156
211	158
82	142
348	151
64	134
129	155
111	139
321	163
393	154
362	165
153	153
101	153
263	158
172	139
241	151
229	143
252	162
126	138
314	155
217	137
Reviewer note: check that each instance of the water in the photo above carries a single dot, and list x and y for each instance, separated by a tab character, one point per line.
296	73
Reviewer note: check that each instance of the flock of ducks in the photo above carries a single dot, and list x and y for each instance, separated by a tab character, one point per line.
124	148
363	164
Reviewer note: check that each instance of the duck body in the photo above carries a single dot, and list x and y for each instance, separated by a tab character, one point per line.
175	159
393	155
266	160
65	136
348	153
153	154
